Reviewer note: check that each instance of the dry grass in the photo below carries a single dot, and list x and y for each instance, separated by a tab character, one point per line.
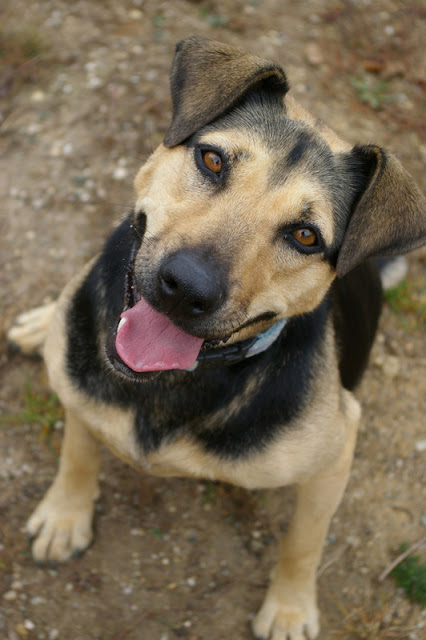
20	52
381	622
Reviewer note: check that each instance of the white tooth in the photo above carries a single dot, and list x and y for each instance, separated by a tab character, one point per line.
121	323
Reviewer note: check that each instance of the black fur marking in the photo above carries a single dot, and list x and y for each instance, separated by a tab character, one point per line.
302	146
290	367
96	309
358	303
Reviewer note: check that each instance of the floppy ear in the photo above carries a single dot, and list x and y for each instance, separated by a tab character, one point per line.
208	78
389	217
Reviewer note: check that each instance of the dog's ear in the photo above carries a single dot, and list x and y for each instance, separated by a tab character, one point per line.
208	78
390	215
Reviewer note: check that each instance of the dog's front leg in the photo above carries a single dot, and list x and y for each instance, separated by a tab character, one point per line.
62	522
289	610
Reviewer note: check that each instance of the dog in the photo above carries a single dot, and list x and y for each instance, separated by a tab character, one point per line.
223	328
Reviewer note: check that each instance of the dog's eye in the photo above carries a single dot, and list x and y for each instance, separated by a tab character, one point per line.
307	237
213	161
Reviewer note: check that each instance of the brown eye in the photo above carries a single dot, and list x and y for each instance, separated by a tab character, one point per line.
306	236
213	161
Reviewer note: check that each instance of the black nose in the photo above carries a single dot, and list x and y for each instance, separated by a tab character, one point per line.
190	283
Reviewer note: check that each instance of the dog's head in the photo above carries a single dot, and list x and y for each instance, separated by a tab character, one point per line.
250	208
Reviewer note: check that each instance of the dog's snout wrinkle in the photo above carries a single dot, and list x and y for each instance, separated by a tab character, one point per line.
190	284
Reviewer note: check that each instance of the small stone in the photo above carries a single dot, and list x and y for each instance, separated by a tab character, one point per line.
21	630
135	14
94	82
314	54
56	149
29	624
84	196
33	128
38	203
353	541
192	582
38	96
16	585
120	173
390	366
53	634
10	595
420	446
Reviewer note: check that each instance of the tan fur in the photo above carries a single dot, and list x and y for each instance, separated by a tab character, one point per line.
30	329
289	608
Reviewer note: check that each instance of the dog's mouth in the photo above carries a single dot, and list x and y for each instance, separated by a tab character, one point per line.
148	341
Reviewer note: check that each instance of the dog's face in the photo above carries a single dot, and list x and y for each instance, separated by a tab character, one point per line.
246	213
241	223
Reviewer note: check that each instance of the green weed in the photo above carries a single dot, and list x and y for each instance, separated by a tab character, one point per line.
410	575
42	409
20	46
213	19
20	54
371	91
408	298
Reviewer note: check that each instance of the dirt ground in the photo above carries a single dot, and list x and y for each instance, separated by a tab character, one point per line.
83	100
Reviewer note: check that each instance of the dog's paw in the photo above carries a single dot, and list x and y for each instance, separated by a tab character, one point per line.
29	330
289	619
60	528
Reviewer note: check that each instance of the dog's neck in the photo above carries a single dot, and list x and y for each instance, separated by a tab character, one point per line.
234	353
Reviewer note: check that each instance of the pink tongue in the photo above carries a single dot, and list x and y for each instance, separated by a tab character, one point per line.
147	341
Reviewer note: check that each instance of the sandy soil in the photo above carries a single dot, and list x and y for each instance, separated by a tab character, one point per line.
176	558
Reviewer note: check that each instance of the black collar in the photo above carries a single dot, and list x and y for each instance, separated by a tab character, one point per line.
234	353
